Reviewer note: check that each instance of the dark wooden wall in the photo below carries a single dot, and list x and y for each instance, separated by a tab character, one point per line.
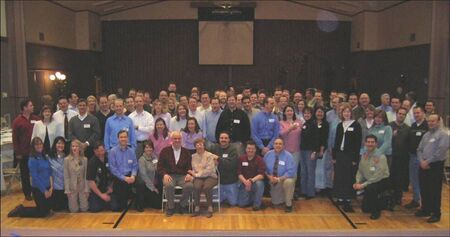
149	54
380	71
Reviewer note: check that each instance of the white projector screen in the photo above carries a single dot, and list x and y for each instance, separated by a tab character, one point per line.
225	42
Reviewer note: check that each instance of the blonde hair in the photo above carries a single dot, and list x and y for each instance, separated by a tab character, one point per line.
345	106
79	146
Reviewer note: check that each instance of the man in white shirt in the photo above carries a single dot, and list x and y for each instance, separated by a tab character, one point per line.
395	105
143	124
73	102
206	102
63	116
193	112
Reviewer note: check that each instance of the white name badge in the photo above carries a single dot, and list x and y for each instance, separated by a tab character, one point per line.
126	129
281	162
33	121
319	126
224	155
130	161
350	129
271	120
237	121
381	132
418	134
432	140
244	163
154	161
304	127
87	126
107	165
372	168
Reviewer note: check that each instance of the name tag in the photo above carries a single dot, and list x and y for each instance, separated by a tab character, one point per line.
418	134
304	127
319	126
271	120
281	162
381	132
107	165
372	168
154	161
33	121
130	161
224	155
432	140
87	126
237	121
244	163
99	170
350	129
126	129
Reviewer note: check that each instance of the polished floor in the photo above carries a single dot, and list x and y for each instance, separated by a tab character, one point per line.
318	216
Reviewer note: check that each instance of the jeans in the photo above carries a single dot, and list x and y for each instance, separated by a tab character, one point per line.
414	176
230	193
254	196
308	174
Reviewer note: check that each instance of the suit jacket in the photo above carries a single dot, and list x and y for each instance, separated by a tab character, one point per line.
166	162
72	168
352	143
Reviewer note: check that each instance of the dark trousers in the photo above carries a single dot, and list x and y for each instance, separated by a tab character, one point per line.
399	176
121	192
431	188
24	174
147	198
42	208
96	204
59	200
372	200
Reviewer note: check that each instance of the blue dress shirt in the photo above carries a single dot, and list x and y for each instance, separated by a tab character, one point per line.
57	165
286	164
211	119
122	162
265	126
40	172
113	126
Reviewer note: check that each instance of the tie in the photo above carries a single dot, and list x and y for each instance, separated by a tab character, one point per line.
46	141
66	126
275	166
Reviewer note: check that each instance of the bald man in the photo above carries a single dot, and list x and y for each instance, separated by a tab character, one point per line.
360	111
173	165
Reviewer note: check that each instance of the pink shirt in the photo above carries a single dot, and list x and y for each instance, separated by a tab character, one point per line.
291	138
160	143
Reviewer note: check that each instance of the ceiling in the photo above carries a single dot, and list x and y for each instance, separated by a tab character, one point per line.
348	8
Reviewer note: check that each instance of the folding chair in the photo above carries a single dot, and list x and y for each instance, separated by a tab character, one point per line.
12	174
215	191
177	197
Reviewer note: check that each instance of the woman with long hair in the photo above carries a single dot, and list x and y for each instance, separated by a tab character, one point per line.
57	156
47	129
178	122
75	183
160	112
160	137
190	133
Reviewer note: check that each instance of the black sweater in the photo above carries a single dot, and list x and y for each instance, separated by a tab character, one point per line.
314	136
236	123
352	143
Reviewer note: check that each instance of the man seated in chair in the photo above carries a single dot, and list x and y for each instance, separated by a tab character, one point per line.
173	165
280	171
372	176
251	171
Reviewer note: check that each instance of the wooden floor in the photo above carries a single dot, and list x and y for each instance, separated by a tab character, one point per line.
318	214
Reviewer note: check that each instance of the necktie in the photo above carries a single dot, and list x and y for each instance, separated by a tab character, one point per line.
66	126
46	141
275	166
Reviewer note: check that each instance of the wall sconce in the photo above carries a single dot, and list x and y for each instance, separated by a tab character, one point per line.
57	76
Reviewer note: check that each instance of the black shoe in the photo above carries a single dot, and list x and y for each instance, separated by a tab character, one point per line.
288	209
15	211
434	219
412	204
29	197
348	208
184	210
139	208
375	215
170	212
209	214
195	214
422	213
340	202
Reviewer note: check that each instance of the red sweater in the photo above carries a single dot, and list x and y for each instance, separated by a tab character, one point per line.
21	134
166	162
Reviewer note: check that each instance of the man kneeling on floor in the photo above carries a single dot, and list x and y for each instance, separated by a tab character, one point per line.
372	176
99	180
281	170
251	170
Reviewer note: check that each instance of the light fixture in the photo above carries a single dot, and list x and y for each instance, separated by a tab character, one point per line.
52	77
57	76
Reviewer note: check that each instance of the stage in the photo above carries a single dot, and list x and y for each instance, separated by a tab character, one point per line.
318	216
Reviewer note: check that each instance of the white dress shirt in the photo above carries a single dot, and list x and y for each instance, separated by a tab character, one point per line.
177	125
55	129
200	116
176	154
144	121
58	116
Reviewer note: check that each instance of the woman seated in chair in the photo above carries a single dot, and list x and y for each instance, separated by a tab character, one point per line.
205	176
147	194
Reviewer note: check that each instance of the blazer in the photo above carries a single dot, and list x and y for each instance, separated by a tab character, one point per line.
167	165
55	129
352	143
71	171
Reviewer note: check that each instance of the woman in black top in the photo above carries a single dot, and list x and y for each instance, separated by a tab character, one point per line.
346	156
313	143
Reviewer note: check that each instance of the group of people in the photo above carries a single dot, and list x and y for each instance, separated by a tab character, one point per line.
96	154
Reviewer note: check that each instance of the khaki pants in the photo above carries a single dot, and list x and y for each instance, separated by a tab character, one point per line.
283	192
178	180
78	201
204	185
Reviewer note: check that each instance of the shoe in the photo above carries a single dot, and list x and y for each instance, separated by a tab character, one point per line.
15	211
29	197
184	210
209	214
412	204
195	214
422	213
139	208
340	202
348	208
434	219
375	216
288	209
170	212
